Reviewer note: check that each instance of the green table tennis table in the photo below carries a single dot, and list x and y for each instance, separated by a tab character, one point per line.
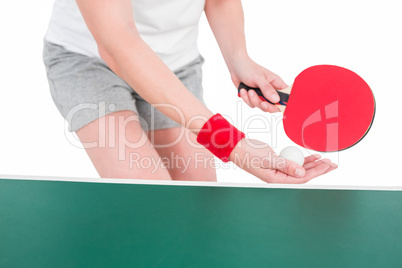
68	222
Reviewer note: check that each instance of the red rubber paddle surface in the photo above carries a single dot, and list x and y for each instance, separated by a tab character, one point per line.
330	108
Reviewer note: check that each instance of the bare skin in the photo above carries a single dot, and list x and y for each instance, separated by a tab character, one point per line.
116	157
124	150
121	47
185	160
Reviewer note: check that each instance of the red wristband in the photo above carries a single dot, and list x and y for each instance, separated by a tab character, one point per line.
219	137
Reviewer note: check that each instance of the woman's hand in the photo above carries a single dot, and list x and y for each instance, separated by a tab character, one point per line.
226	19
260	160
245	70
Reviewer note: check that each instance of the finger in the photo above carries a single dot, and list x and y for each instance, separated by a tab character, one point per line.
275	176
333	167
264	106
268	107
244	96
311	158
293	180
256	101
254	98
287	166
279	177
320	169
268	91
278	83
313	164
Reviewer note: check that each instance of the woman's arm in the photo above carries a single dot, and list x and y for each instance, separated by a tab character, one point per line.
227	23
112	24
121	47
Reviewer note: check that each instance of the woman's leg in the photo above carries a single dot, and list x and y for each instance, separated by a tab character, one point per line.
186	159
119	148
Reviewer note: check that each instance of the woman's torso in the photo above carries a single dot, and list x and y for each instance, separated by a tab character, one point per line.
169	27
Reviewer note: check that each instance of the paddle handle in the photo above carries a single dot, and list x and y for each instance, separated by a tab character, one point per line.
283	94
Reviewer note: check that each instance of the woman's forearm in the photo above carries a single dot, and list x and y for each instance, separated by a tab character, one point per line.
144	71
226	20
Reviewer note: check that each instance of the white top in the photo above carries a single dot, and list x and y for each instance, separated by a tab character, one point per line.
169	27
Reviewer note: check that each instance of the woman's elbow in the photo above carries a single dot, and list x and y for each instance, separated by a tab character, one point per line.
105	55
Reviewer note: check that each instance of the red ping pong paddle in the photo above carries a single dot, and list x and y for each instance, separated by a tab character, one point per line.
328	108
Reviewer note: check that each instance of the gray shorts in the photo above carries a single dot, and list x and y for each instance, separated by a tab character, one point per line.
85	88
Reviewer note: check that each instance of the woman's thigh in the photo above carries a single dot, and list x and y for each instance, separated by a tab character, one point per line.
119	148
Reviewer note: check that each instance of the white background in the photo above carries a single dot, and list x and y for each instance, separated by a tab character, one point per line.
285	36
